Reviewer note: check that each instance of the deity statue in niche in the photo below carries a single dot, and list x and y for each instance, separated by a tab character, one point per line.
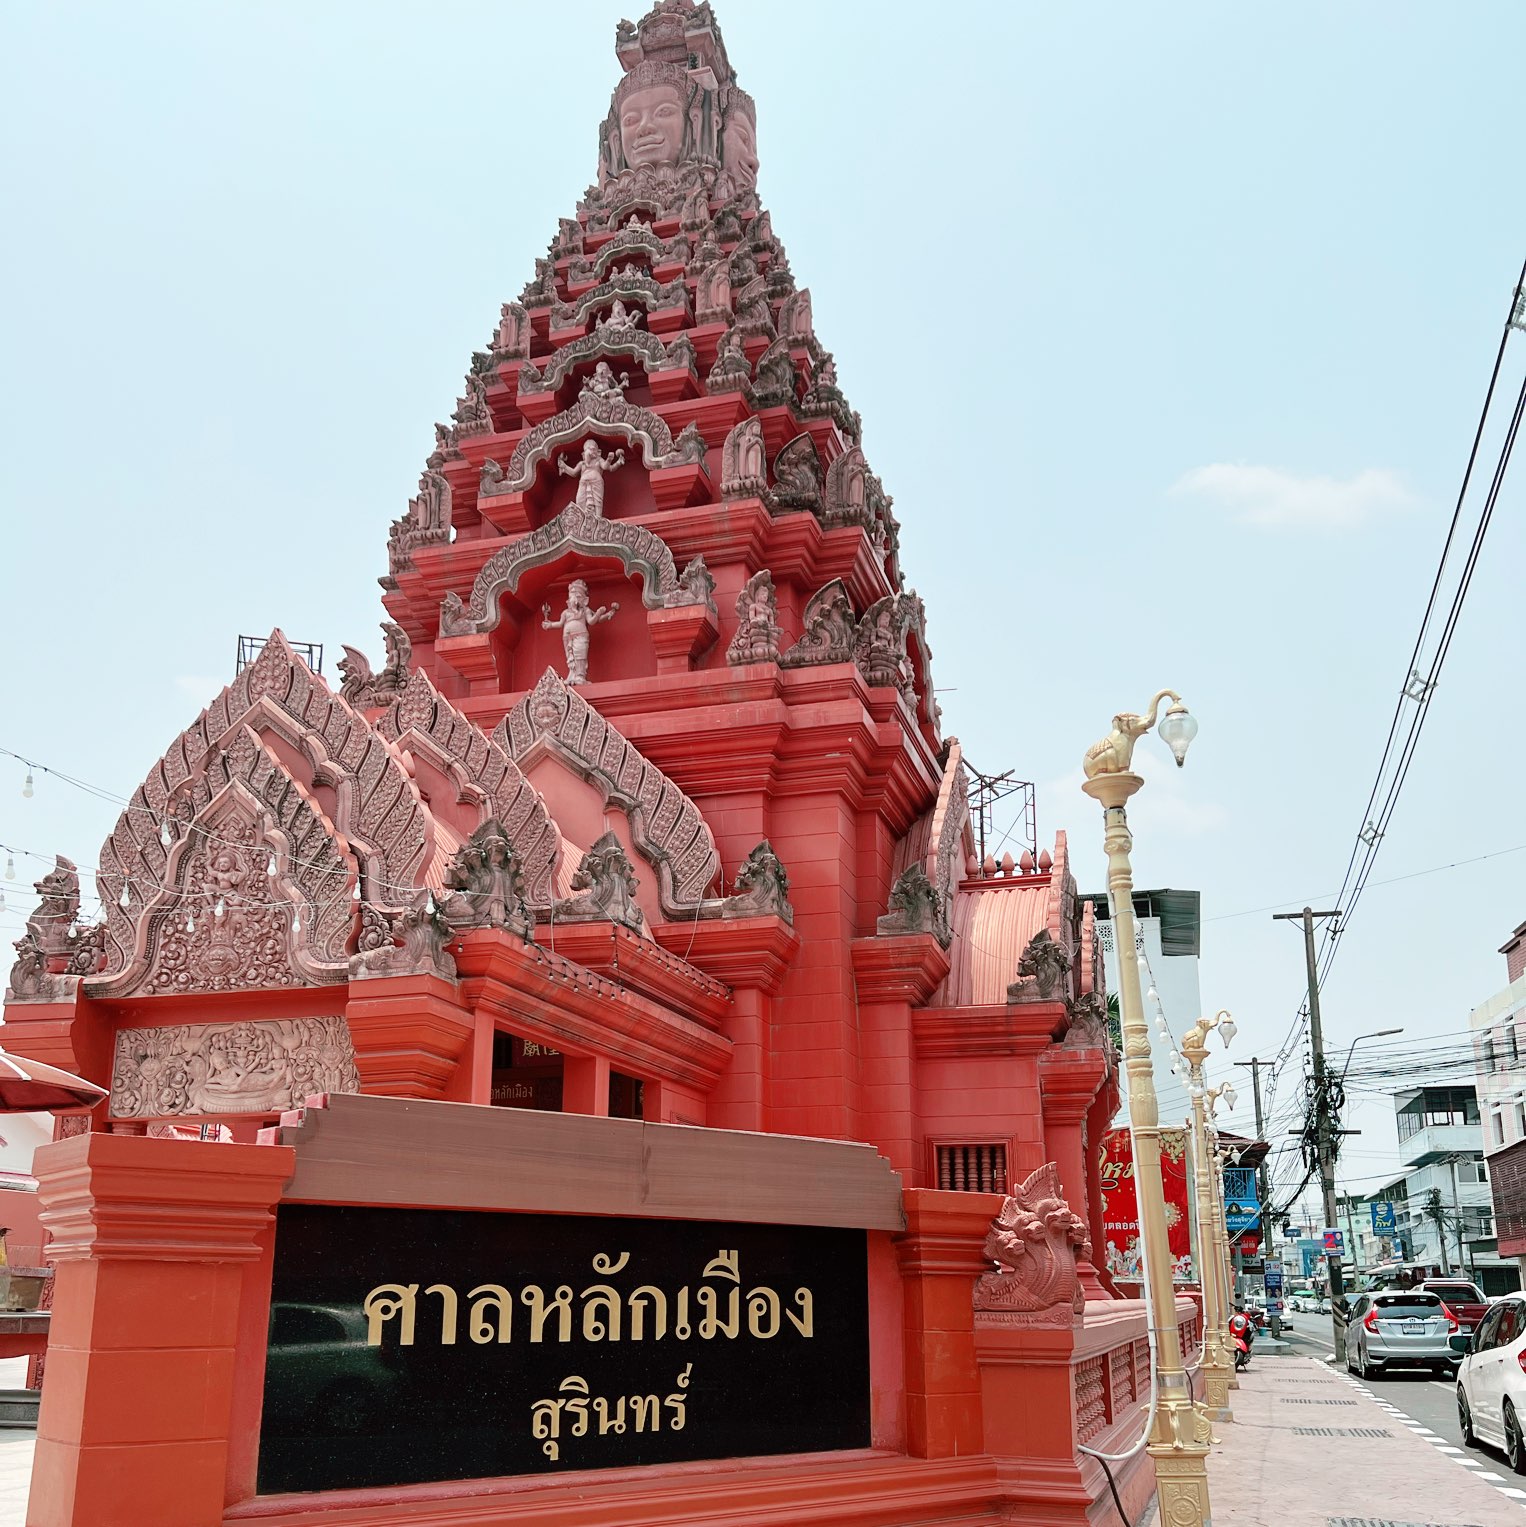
574	623
652	116
589	469
605	384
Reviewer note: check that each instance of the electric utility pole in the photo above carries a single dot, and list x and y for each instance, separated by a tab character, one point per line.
1263	1222
1324	1125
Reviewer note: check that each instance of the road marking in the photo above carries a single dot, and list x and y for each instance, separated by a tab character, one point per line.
1512	1492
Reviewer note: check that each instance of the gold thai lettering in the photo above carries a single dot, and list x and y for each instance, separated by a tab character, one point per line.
603	1312
447	1312
541	1310
763	1313
572	1402
725	1264
805	1321
640	1299
491	1296
383	1303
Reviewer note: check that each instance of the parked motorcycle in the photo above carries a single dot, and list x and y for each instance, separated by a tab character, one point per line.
1242	1332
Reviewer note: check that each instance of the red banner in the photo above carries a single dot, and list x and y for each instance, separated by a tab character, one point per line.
1120	1207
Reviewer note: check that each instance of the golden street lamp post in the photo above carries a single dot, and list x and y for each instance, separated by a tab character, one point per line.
1179	1437
1218	1365
1224	1259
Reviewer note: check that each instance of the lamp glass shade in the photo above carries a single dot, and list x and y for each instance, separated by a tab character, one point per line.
1228	1029
1229	1095
1177	729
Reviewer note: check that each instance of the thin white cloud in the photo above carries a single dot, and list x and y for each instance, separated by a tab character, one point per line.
1274	499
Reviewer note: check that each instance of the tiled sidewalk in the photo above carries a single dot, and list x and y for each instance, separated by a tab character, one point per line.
1307	1448
15	1475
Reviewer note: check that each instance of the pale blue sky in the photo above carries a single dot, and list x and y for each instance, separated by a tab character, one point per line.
1066	256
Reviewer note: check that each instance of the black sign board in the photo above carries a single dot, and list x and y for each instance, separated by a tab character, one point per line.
410	1345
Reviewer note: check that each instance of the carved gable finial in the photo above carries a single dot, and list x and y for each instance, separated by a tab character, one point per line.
1043	972
486	883
1034	1241
762	887
607	883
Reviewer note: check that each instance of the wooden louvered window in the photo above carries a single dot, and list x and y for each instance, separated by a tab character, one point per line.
973	1168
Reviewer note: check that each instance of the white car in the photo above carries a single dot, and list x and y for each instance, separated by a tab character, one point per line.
1491	1384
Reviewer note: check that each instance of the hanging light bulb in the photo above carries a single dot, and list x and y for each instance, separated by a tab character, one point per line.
355	894
165	836
1160	1023
270	867
10	867
296	921
1228	1028
123	901
26	787
190	924
2	901
220	909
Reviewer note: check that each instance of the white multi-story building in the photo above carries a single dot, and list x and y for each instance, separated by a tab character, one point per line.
1499	1049
1441	1143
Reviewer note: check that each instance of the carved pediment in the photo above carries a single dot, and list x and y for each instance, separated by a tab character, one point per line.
638	550
666	826
422	721
593	413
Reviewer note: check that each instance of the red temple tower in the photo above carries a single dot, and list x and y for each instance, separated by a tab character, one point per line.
648	812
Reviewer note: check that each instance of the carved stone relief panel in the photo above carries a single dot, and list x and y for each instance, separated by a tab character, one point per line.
255	1066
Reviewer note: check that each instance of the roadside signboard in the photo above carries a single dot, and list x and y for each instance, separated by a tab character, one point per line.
1335	1243
1120	1207
1273	1277
1384	1221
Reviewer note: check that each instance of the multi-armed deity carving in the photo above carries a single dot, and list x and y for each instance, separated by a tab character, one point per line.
757	633
575	622
1034	1241
762	887
607	884
589	469
259	1066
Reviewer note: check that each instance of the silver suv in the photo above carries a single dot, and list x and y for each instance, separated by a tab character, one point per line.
1400	1328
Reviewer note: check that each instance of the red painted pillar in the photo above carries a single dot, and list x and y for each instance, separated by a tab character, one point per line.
585	1084
940	1259
1068	1082
151	1239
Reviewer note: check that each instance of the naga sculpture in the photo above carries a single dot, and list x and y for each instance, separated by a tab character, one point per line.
607	884
1034	1241
486	883
1043	972
762	887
